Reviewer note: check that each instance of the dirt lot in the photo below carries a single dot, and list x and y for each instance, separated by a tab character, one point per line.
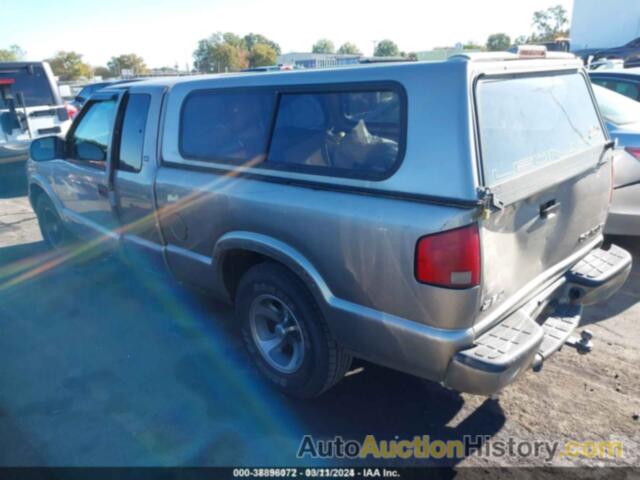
104	365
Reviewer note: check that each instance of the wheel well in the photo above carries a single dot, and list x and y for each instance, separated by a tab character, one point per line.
34	193
235	265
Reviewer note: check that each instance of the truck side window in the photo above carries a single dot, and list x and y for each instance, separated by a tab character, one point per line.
90	140
344	133
132	137
226	126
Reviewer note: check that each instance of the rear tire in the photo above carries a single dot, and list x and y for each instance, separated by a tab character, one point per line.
54	232
286	334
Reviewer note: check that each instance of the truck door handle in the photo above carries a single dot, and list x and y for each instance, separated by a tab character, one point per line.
549	209
103	190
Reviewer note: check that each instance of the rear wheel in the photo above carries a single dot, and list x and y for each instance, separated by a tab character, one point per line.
286	334
54	232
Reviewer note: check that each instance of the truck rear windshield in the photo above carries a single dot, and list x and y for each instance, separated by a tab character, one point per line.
528	122
32	82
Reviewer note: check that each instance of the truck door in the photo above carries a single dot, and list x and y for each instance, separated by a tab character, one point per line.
81	180
134	168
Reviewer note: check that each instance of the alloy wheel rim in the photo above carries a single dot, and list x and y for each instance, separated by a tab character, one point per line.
276	333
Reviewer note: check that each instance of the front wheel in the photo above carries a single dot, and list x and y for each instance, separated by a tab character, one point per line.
286	334
54	232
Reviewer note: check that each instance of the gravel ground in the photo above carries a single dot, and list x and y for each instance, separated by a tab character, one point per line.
102	365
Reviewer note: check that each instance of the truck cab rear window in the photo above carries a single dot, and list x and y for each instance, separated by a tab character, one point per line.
343	133
553	117
132	136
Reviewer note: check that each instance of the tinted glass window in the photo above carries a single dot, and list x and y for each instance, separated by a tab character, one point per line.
554	117
90	139
224	126
132	136
31	82
352	133
628	89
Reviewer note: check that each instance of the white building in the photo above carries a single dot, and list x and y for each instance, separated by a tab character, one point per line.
604	23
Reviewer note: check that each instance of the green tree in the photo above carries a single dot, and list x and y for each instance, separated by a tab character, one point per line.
202	56
386	48
262	55
69	66
129	61
471	45
103	72
550	24
349	48
11	54
498	42
324	45
221	52
520	40
234	40
252	39
228	58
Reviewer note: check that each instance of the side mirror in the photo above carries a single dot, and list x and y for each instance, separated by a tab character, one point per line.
90	151
46	148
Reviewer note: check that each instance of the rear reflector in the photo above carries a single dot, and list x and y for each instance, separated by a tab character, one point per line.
634	151
7	81
449	259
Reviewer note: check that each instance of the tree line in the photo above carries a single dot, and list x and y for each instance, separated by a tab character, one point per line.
69	65
228	52
548	25
223	52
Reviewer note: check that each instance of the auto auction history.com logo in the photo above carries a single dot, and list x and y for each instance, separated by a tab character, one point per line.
423	447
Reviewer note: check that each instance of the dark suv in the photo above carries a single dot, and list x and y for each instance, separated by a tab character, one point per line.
629	52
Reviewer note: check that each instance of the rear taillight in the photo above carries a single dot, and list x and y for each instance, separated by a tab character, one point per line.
634	151
449	259
71	110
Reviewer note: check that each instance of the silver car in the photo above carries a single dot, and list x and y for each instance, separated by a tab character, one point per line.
622	117
440	218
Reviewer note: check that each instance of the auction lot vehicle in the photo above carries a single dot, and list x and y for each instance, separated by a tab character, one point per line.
622	119
30	107
623	81
443	219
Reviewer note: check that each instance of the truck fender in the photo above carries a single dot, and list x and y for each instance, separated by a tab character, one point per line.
36	180
278	251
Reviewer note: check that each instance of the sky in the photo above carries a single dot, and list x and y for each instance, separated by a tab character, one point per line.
166	32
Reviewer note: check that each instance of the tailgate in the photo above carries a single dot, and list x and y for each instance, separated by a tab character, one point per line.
542	145
29	105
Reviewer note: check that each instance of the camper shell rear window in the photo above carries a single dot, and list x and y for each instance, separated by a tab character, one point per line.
526	122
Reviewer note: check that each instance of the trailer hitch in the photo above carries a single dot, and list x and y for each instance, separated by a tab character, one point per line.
583	344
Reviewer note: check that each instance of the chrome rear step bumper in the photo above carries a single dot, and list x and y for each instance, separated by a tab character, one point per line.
599	275
502	353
